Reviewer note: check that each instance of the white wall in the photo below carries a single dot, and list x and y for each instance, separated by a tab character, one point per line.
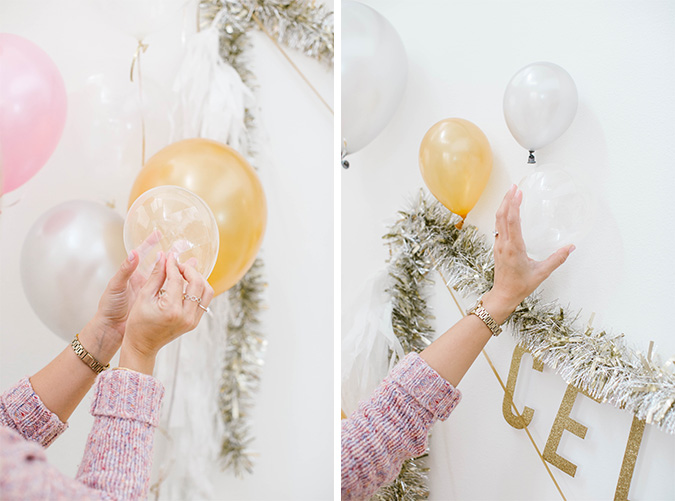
461	56
293	417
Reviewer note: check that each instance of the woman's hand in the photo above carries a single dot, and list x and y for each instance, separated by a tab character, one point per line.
162	311
120	294
516	275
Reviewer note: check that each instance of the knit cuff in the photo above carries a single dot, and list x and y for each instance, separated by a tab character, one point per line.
128	395
29	414
426	386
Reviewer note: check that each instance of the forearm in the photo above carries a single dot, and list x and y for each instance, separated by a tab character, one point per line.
118	455
454	352
63	383
392	426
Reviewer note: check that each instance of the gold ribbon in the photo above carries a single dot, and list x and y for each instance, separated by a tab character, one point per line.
140	48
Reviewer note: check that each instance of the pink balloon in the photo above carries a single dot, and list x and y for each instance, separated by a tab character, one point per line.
32	109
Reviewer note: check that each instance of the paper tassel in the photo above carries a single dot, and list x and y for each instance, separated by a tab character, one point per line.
367	343
212	96
188	459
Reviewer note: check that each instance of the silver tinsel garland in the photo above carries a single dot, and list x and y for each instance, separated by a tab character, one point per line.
243	364
297	24
308	28
425	239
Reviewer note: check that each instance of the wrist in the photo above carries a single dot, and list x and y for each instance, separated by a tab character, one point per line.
498	306
138	360
99	340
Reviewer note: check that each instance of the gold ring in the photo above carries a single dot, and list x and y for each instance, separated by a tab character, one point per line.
205	308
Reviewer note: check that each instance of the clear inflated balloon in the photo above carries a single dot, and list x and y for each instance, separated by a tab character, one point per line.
172	219
67	259
112	122
555	211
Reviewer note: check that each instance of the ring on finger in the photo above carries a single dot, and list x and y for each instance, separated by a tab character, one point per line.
495	233
192	298
205	308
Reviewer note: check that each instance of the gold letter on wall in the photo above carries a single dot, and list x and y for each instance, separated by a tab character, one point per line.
637	429
523	420
563	422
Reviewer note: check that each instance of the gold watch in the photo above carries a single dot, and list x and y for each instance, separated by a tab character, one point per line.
483	314
87	357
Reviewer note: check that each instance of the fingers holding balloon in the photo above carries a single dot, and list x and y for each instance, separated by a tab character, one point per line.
153	286
198	293
174	284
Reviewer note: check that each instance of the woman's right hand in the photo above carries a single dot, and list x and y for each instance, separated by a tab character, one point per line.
161	313
516	275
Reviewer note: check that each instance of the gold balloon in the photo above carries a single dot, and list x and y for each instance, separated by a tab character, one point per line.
230	187
456	161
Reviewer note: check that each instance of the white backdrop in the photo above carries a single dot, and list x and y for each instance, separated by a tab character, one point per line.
461	56
293	418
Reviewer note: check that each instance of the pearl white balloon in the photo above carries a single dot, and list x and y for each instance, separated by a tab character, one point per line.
540	103
70	254
555	211
374	73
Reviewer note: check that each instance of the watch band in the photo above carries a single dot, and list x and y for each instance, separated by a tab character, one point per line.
485	316
87	357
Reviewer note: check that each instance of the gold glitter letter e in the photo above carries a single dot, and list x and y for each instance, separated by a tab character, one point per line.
563	422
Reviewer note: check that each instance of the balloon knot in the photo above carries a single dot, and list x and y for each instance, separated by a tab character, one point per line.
530	159
343	154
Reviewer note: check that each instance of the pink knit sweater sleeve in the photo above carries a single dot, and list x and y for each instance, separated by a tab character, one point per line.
392	426
22	410
118	455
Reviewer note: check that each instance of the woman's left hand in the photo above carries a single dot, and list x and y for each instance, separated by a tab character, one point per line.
117	300
121	292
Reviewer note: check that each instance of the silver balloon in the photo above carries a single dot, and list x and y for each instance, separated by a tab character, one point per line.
68	257
374	73
555	211
539	104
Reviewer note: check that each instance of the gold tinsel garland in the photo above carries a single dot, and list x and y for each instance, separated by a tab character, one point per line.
425	239
306	27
